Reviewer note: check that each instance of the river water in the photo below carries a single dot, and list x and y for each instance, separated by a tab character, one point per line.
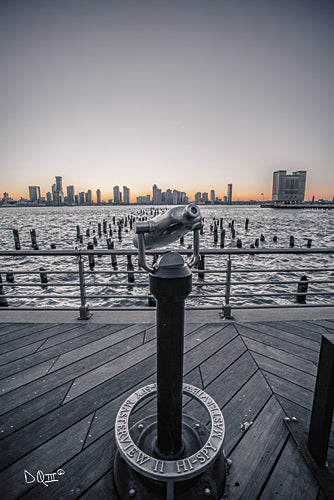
57	225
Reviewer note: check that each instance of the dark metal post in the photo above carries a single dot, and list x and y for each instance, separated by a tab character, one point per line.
84	314
170	284
227	308
323	402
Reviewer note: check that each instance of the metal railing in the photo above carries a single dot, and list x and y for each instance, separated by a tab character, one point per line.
280	285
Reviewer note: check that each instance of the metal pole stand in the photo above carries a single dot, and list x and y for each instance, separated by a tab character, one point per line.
170	455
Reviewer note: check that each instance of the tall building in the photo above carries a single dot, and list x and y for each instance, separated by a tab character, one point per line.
126	195
289	187
70	195
81	198
98	196
212	196
198	198
34	193
117	197
57	191
157	196
229	194
89	197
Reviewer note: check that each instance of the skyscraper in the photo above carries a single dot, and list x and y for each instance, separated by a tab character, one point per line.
117	198
89	197
34	193
289	187
156	198
126	195
212	196
98	196
229	194
57	191
70	195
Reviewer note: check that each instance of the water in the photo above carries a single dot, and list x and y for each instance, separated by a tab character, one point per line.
58	225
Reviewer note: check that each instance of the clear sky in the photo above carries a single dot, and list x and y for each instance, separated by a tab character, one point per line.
187	94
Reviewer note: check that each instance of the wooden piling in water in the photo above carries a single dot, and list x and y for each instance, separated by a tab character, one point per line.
78	232
201	266
239	243
222	238
130	268
215	234
33	239
44	277
292	241
91	260
10	277
16	239
246	224
302	290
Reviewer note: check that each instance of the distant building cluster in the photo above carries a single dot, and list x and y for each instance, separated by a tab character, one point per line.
57	196
175	197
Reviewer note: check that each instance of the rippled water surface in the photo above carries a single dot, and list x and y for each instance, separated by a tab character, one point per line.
57	225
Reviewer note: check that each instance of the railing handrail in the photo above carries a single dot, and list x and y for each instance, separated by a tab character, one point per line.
203	251
225	294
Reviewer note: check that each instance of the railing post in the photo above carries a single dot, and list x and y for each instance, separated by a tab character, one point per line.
227	312
323	402
84	313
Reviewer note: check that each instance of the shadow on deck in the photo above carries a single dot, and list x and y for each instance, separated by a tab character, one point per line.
62	385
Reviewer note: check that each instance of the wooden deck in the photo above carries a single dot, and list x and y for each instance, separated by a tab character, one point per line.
62	385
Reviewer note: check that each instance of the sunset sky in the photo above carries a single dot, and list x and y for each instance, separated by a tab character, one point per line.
186	94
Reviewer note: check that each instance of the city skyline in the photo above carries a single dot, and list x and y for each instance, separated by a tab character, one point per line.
195	94
56	194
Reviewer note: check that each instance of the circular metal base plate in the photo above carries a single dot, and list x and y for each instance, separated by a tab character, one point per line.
207	485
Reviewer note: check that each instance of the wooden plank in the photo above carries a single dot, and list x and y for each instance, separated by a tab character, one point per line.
42	385
225	386
257	452
82	471
68	332
284	371
94	332
20	329
49	458
327	324
27	413
204	350
108	370
98	345
283	335
290	391
221	360
301	328
270	340
103	489
57	350
32	332
26	376
10	356
291	478
245	406
281	356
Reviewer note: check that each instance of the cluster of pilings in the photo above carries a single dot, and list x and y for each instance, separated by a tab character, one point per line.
219	235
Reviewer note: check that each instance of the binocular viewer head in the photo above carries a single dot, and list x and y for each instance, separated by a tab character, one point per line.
169	226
